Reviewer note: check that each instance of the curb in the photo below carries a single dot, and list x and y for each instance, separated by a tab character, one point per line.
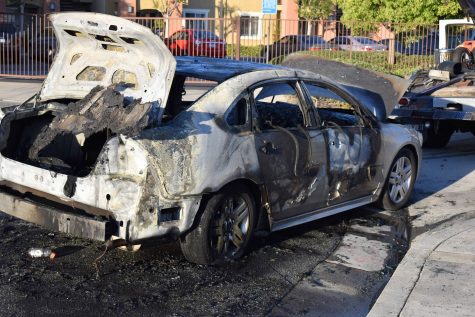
393	299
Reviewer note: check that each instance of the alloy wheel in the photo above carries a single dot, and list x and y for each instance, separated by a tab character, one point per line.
400	179
230	227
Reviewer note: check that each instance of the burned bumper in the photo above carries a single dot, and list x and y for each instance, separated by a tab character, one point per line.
55	219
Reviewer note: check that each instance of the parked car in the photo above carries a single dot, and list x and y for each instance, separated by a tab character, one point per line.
356	43
110	147
196	43
398	46
294	43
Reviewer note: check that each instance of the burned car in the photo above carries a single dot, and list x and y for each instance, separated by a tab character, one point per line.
110	147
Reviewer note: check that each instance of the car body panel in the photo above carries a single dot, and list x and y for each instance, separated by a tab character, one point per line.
357	44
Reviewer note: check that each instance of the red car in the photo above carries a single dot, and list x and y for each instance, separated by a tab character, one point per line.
196	43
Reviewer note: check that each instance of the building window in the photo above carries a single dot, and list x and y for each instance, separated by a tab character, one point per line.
250	25
192	19
130	9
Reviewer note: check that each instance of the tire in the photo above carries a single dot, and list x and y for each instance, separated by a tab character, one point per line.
221	235
439	139
463	56
400	181
454	68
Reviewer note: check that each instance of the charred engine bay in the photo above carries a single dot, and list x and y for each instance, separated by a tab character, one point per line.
70	141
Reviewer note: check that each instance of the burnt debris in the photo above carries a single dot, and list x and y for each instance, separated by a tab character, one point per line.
103	109
70	141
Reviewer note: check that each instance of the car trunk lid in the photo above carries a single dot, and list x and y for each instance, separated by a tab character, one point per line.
101	50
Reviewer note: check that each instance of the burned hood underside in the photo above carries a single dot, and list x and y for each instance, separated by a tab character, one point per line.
377	92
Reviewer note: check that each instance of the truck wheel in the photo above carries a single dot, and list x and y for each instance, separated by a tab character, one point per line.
224	230
400	181
462	55
438	139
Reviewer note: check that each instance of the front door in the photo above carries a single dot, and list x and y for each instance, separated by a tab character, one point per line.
292	153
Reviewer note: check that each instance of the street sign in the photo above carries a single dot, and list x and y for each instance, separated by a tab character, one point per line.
269	6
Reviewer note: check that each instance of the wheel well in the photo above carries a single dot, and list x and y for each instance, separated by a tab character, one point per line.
412	148
256	191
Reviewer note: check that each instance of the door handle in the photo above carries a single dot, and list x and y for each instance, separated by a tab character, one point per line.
267	148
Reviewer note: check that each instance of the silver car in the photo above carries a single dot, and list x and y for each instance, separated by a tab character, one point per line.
357	44
111	148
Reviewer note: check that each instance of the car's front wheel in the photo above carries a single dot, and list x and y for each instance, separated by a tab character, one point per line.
400	181
224	229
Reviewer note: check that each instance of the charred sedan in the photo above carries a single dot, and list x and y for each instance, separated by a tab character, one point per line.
110	147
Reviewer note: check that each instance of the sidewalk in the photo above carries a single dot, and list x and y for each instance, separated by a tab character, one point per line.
14	91
437	275
435	278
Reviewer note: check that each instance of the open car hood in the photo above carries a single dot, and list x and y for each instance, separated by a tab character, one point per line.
468	7
98	49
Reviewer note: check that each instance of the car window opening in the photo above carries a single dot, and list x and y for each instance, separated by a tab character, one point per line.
184	93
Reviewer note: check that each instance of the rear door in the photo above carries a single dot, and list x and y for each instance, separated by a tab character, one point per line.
353	144
291	150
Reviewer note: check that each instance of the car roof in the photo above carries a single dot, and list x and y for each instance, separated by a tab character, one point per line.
217	69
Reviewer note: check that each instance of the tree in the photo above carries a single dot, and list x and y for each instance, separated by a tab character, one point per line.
168	7
312	10
315	9
418	11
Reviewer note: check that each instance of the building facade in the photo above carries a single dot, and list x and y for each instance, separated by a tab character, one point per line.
113	7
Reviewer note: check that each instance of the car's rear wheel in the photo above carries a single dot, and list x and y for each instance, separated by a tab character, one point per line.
400	181
224	229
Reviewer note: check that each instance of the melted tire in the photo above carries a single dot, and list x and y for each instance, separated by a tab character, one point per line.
196	244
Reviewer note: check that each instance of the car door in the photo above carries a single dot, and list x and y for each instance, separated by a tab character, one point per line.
353	143
290	149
